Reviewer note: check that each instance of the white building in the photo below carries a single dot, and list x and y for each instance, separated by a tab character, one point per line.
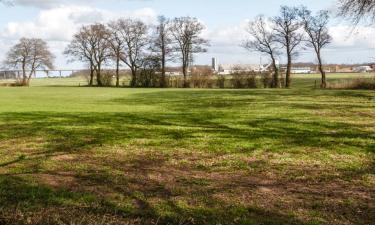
300	70
227	69
363	69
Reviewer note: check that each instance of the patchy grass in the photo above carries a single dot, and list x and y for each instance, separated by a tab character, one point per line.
71	155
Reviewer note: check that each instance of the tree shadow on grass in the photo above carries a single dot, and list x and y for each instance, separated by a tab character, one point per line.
155	191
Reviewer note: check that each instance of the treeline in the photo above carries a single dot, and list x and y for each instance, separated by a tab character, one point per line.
292	30
199	77
144	49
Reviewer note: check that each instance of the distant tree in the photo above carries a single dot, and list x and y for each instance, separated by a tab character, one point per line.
316	28
90	45
263	40
161	45
357	10
101	48
29	55
117	45
82	48
135	36
287	26
186	33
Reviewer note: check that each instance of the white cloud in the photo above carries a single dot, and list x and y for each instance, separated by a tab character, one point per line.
347	37
58	25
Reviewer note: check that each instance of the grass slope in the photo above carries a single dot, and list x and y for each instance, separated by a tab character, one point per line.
71	155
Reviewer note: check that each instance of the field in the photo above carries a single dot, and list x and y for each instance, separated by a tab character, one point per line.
79	155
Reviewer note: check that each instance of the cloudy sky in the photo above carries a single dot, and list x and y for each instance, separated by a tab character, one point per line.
57	20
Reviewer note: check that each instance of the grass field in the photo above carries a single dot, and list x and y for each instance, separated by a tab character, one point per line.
77	155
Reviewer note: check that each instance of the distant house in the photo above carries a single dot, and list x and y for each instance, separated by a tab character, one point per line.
226	69
299	70
363	69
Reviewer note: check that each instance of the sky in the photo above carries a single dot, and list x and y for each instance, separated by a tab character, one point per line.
225	20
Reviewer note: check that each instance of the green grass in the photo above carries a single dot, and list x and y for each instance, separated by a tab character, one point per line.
77	155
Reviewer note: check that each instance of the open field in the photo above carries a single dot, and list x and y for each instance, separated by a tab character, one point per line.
77	155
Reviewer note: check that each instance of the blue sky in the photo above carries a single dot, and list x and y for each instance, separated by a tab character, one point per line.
57	20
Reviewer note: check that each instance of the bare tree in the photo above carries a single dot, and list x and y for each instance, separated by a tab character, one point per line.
316	28
90	45
286	27
117	45
101	48
161	45
186	33
357	10
29	55
135	36
264	41
82	48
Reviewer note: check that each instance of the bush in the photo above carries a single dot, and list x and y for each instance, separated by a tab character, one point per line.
175	81
244	80
220	82
266	80
107	78
358	83
201	78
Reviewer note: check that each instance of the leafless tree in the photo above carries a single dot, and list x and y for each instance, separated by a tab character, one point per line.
135	36
29	55
117	45
101	48
90	45
82	48
161	45
287	28
186	33
316	28
357	10
263	40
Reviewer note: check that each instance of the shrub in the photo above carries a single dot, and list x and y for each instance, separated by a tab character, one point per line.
107	78
201	78
220	82
244	80
358	83
266	79
175	81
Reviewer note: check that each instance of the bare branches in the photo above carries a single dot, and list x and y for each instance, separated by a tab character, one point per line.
316	28
186	33
117	45
29	54
264	41
357	10
161	45
91	45
287	29
135	36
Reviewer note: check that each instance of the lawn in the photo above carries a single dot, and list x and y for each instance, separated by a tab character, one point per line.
79	155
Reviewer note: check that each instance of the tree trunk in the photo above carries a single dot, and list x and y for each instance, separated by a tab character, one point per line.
323	83
91	77
275	78
98	76
288	71
24	77
133	82
184	71
118	72
163	82
29	78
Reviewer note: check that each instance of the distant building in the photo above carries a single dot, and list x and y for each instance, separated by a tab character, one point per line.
363	69
299	70
226	69
215	64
